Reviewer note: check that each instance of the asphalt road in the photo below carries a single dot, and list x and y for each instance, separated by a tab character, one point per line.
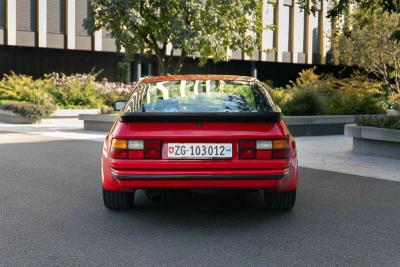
51	213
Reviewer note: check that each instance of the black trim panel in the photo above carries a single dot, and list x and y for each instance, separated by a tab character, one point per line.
200	117
203	177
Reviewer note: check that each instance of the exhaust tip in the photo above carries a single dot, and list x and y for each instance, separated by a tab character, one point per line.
154	196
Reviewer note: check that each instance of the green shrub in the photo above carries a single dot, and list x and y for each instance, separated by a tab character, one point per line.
394	102
304	103
83	91
313	94
391	122
107	110
111	92
23	88
34	112
354	95
75	91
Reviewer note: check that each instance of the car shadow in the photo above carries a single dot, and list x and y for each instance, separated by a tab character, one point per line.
209	208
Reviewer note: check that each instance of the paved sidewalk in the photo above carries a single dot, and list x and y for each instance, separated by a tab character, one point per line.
62	128
332	153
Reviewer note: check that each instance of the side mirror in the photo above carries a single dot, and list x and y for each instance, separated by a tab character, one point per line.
119	105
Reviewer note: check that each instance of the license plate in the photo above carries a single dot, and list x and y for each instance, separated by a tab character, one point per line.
199	151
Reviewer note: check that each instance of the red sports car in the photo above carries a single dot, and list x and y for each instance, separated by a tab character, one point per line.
199	131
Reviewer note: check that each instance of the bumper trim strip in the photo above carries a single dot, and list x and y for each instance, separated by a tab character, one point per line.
277	176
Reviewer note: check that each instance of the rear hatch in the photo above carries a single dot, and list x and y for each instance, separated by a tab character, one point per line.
199	126
201	142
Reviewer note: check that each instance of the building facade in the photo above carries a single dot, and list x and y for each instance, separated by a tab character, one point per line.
39	36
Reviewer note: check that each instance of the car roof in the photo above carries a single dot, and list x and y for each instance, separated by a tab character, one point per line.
198	77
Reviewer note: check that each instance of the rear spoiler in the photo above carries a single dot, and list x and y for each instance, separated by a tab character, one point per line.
200	117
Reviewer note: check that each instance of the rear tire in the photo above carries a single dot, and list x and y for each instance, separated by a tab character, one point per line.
283	201
115	200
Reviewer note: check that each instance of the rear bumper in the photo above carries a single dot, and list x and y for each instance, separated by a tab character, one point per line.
129	180
180	177
140	181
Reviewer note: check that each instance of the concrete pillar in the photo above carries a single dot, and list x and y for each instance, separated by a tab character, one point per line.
267	36
324	32
136	67
253	69
42	23
70	22
278	18
98	40
149	69
292	40
299	34
11	7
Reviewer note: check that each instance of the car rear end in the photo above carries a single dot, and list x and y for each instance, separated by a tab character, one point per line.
179	136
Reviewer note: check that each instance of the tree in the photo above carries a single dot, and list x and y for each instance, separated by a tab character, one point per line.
340	7
206	29
373	47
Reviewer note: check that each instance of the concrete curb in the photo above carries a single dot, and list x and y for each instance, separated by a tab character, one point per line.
320	125
374	141
10	117
72	113
100	122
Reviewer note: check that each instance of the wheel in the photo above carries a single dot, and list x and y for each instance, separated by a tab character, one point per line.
280	201
115	200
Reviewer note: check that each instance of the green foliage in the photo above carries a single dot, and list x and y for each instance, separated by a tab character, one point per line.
23	88
304	102
391	122
34	112
123	69
75	91
106	110
394	102
83	91
118	92
313	94
195	28
338	8
78	90
355	95
372	46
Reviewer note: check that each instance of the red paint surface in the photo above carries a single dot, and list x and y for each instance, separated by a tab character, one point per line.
209	133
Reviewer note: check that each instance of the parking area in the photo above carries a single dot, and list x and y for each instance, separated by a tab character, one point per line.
51	213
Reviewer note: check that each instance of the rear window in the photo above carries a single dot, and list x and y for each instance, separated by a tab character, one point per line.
199	96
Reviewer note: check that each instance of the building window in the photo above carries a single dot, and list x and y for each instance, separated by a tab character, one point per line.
81	13
56	16
26	15
2	13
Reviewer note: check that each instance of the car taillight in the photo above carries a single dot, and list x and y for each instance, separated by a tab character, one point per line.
135	149
264	149
119	149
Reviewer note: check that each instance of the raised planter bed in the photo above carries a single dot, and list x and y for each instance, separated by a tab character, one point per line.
374	141
73	113
298	125
10	117
318	125
101	122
